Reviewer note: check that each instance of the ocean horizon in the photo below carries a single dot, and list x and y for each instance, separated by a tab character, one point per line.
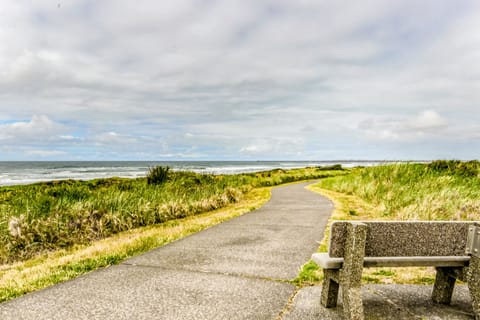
26	172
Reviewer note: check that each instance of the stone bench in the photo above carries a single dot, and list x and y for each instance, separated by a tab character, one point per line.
453	248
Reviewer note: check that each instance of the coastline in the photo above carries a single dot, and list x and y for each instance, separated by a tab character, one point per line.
27	172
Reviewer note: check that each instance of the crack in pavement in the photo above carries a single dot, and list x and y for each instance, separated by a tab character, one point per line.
232	274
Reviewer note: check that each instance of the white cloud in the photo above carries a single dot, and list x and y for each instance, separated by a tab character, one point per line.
38	128
115	139
256	148
426	124
68	137
428	120
46	153
273	147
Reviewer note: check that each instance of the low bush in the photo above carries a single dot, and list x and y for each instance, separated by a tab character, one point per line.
332	167
455	167
157	175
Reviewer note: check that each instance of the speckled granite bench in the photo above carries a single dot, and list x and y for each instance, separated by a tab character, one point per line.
453	248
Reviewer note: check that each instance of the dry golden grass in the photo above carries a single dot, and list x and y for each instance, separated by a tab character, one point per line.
40	272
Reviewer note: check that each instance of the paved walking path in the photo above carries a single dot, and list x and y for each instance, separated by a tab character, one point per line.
236	270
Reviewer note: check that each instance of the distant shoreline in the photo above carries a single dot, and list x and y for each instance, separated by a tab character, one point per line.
26	172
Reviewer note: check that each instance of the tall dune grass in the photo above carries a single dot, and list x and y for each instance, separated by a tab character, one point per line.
441	190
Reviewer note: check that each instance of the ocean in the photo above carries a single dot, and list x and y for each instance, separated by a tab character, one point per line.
18	172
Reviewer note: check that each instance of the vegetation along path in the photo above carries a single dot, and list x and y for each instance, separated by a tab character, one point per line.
240	269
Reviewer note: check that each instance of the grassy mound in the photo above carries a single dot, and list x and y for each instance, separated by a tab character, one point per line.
441	190
49	216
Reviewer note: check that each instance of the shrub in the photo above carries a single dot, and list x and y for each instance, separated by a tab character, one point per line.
332	167
455	167
157	175
443	165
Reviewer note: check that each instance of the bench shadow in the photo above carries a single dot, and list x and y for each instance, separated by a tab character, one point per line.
386	302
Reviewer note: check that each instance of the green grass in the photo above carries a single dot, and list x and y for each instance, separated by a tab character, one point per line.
441	190
49	216
308	275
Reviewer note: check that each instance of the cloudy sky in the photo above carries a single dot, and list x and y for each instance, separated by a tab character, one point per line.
239	80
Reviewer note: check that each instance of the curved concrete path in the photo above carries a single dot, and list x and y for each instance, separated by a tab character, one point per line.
236	270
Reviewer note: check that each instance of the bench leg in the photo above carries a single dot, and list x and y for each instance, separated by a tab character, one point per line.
351	273
473	281
330	287
351	283
352	303
443	287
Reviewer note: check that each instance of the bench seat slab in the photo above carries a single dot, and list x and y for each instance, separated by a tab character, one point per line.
324	261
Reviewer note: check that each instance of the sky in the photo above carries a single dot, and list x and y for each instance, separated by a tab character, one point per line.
239	80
